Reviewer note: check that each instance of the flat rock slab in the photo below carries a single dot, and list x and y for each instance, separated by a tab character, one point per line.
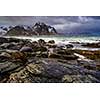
8	66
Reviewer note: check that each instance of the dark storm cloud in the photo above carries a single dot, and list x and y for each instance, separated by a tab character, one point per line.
94	17
63	24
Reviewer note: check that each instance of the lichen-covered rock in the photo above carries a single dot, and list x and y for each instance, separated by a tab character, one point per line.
50	70
35	69
18	56
79	79
19	77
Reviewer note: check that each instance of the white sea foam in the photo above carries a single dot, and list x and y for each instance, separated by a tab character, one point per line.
63	40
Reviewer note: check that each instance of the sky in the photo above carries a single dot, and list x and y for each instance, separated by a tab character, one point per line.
63	24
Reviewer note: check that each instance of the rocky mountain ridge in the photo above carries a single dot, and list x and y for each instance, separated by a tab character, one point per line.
38	28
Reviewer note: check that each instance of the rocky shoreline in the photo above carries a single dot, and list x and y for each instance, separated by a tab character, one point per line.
26	61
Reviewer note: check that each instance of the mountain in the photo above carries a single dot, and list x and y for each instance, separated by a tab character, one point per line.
41	28
37	29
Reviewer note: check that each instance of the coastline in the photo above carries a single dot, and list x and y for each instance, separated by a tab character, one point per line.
61	40
45	60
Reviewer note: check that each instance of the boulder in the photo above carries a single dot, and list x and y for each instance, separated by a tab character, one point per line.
18	56
12	46
62	52
41	42
34	43
42	55
14	40
3	40
54	55
40	48
4	56
92	45
90	65
79	79
49	45
26	49
69	46
51	42
69	57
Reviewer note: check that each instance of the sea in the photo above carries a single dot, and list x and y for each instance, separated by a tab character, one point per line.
64	40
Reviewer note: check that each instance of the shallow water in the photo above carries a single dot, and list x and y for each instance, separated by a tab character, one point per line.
63	40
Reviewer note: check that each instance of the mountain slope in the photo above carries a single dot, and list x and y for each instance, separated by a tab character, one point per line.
37	29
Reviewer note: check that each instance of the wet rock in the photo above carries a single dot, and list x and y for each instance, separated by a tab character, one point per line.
4	56
93	55
8	66
41	42
50	70
40	48
55	70
42	55
96	74
90	65
51	42
25	61
69	57
69	46
98	65
14	40
3	40
4	45
26	49
30	55
75	42
43	49
61	47
54	55
62	52
13	46
92	45
34	43
18	56
49	45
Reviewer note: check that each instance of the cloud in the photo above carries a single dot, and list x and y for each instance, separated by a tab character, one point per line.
63	24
